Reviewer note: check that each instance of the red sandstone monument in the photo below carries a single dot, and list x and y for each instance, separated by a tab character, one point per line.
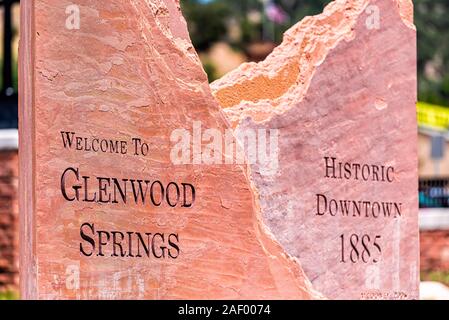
117	203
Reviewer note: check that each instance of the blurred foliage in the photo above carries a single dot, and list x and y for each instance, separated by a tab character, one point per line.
15	74
432	23
9	295
437	276
210	70
209	22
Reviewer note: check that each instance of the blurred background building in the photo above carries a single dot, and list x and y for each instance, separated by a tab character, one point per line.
227	33
9	252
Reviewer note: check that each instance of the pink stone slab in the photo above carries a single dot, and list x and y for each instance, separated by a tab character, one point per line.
342	85
130	71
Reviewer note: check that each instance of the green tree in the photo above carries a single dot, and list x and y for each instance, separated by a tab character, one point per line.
207	22
432	23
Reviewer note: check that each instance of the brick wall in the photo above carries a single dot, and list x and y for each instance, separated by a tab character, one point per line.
435	250
9	221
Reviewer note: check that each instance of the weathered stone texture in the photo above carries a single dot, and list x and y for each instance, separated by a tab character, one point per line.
131	71
341	85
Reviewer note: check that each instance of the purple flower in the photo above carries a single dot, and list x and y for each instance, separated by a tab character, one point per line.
275	13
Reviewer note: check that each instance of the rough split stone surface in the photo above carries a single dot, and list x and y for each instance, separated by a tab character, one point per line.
130	71
341	87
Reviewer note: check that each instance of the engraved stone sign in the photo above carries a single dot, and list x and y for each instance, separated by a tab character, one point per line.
106	211
342	199
297	181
